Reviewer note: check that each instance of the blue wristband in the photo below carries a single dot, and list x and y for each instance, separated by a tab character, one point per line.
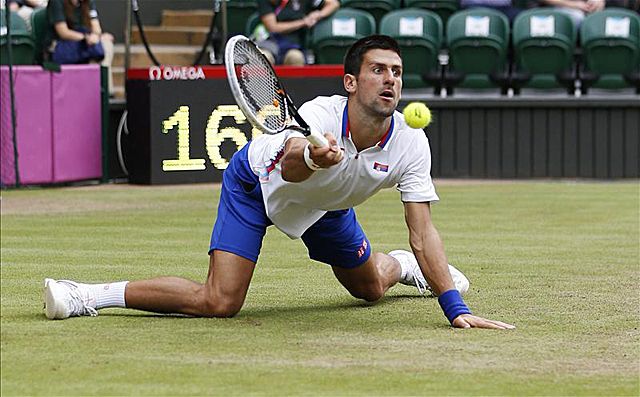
452	304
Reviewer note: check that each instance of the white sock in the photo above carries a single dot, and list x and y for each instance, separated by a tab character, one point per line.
404	268
108	295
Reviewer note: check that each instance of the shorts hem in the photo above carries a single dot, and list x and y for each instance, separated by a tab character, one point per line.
236	251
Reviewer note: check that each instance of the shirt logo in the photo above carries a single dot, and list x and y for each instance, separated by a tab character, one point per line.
380	167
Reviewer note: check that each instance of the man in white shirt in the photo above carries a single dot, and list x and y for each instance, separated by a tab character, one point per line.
309	192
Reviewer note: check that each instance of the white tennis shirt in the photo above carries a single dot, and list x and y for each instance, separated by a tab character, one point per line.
402	158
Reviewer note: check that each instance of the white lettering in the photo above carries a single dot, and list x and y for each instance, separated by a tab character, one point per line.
176	73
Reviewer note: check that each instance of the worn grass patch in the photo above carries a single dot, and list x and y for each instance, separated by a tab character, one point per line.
560	260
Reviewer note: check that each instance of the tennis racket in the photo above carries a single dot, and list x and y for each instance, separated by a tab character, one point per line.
260	94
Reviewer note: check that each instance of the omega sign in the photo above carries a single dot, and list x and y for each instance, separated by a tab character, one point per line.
176	73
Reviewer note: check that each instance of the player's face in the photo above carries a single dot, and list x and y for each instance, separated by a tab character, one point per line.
379	84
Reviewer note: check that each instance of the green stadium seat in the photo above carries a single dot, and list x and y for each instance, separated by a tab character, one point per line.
22	47
444	8
377	8
478	40
610	41
332	36
419	33
238	12
544	41
18	25
252	22
39	28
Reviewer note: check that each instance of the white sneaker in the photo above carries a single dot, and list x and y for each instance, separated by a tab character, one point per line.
414	276
64	299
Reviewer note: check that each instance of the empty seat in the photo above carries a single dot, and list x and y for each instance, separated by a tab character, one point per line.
332	36
377	8
419	33
22	47
238	12
610	42
478	40
444	8
544	41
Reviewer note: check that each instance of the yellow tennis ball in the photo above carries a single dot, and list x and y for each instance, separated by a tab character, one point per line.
417	115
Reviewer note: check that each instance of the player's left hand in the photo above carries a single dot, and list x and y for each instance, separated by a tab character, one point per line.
471	321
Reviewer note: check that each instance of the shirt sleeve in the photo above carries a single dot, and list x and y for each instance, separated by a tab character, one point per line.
56	12
93	11
265	7
316	4
317	113
415	183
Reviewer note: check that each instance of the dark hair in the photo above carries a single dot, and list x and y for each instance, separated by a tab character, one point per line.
85	18
353	58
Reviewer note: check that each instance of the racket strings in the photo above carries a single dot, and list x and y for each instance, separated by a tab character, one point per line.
260	86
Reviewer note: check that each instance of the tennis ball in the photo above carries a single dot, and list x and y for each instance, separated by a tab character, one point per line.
417	115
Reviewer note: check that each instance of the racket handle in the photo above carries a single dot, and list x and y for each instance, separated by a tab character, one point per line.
317	140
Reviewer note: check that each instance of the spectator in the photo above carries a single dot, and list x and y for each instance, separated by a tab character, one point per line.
76	36
576	9
287	23
504	6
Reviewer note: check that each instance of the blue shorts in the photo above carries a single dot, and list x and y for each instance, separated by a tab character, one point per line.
336	239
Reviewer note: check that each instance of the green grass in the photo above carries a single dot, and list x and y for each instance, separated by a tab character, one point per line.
559	260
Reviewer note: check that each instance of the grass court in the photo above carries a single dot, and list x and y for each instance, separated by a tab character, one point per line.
558	259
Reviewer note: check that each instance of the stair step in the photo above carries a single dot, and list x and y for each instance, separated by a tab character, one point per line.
176	35
118	92
196	18
117	72
166	54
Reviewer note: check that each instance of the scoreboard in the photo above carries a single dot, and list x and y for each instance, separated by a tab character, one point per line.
184	124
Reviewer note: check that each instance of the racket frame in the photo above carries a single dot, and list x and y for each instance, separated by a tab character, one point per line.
290	109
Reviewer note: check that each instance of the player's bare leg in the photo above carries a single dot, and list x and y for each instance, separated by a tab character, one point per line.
372	279
222	295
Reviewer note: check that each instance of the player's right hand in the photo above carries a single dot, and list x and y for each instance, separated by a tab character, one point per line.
471	321
326	156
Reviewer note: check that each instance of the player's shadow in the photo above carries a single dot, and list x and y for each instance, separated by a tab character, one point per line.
273	314
329	308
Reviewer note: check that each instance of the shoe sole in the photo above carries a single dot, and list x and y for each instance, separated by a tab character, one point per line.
50	293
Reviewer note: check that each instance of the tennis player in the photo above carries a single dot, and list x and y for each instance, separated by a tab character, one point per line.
309	192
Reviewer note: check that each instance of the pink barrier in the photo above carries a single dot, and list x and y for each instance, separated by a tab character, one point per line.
58	124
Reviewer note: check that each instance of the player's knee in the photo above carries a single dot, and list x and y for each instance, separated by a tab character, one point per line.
370	292
221	307
294	57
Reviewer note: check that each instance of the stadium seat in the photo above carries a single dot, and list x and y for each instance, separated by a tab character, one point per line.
238	12
444	8
377	8
610	41
419	34
332	36
22	48
544	41
39	28
252	23
478	40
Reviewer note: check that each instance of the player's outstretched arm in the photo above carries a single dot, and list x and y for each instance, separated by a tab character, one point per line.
301	159
429	251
